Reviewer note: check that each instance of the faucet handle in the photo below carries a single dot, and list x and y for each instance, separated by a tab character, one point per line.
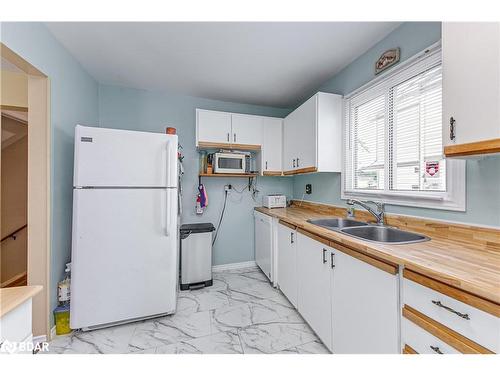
350	208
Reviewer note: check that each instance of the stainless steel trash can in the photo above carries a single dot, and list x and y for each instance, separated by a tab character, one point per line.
196	255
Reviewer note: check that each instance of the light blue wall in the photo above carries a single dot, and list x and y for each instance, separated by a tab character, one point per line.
73	100
483	176
133	109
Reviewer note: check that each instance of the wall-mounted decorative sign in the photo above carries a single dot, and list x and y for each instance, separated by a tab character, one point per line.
387	59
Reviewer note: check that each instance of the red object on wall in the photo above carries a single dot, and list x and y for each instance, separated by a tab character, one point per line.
171	130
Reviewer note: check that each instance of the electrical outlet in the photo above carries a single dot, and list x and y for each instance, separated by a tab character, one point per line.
309	189
227	187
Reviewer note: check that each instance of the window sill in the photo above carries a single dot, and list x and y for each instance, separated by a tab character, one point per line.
435	202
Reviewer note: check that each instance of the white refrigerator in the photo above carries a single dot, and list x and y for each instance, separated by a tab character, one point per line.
125	238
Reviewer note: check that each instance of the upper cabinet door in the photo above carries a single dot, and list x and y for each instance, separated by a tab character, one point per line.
246	130
272	145
305	133
313	136
212	127
289	146
471	82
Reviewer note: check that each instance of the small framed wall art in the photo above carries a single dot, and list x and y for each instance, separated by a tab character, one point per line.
387	59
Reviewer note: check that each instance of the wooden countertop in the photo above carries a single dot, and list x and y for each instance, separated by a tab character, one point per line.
10	298
475	269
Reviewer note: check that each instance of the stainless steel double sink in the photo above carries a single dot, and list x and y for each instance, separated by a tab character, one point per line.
369	232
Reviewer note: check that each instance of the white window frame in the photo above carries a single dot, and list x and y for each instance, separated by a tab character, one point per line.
453	199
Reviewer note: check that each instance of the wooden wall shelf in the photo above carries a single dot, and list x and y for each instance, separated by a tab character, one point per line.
227	146
228	175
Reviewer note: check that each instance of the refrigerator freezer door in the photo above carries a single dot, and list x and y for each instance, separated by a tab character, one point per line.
124	266
123	158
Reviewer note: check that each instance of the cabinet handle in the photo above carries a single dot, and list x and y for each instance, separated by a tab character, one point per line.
294	163
464	316
332	260
452	128
228	137
297	162
324	255
266	165
234	137
291	237
436	349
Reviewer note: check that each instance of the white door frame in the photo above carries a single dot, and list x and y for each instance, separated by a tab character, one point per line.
39	139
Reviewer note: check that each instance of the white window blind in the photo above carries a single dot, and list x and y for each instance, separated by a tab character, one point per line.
393	134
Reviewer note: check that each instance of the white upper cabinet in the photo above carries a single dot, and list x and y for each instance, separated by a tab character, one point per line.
224	129
246	129
212	126
272	133
313	136
471	87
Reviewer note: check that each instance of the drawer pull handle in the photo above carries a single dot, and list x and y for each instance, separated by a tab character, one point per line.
464	316
324	257
436	349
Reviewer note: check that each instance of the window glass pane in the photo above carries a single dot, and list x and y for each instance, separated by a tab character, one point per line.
417	155
369	144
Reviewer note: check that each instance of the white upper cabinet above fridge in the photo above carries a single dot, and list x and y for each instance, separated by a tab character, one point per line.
312	139
471	88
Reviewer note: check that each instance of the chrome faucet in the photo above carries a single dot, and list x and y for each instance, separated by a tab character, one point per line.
379	214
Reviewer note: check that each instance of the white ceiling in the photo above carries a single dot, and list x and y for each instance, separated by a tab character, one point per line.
273	64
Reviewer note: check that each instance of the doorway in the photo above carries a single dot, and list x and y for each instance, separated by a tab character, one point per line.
14	195
25	107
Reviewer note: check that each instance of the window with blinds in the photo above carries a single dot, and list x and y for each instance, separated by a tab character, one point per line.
393	135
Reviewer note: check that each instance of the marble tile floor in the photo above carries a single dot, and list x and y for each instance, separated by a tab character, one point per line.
241	313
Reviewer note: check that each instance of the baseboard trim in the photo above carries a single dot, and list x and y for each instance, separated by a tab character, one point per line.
234	266
39	339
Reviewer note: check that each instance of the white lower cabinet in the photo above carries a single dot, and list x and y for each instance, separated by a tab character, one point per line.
315	261
365	307
287	263
351	304
15	328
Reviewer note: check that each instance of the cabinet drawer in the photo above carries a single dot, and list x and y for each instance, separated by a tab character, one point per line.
15	326
471	322
422	341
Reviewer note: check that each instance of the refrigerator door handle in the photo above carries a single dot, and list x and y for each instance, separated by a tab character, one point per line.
168	164
167	206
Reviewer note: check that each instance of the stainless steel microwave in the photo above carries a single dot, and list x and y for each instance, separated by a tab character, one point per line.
229	163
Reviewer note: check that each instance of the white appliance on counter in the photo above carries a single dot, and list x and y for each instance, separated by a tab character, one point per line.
274	201
125	238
